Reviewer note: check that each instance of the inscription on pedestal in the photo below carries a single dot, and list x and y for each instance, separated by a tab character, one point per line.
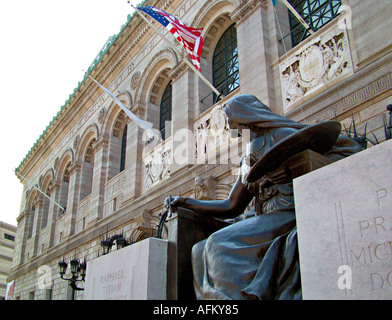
137	272
344	221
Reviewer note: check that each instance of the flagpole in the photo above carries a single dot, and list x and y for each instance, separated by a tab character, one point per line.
174	48
140	122
39	190
297	15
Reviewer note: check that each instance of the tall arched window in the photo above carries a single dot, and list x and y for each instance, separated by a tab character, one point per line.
87	172
64	188
123	148
30	222
316	13
165	113
117	146
45	208
31	206
225	62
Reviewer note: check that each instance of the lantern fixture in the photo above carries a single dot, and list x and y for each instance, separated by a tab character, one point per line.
107	243
78	271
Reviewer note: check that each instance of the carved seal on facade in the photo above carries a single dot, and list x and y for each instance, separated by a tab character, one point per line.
76	142
135	80
101	115
313	65
157	168
56	163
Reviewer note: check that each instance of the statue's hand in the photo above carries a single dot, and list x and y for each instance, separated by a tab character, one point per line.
173	202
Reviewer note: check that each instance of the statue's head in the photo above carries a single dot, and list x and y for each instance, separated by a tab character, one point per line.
246	110
242	105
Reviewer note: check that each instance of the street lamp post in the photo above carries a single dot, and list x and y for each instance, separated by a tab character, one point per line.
78	271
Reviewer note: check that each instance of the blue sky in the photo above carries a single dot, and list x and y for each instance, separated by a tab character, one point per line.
45	45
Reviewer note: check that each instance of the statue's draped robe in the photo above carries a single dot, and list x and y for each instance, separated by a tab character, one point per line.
257	258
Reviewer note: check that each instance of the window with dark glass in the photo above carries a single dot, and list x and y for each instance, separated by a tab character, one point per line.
225	62
316	13
9	237
165	110
30	222
123	148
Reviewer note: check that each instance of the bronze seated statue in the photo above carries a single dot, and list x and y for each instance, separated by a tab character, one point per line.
257	256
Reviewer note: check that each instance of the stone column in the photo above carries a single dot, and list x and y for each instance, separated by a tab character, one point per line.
184	104
52	214
39	204
73	199
99	179
134	166
254	50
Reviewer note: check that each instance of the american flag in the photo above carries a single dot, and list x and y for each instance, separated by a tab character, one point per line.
189	37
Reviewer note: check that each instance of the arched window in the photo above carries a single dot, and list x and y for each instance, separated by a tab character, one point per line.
30	222
117	146
165	114
64	188
87	172
316	13
123	149
31	206
45	208
225	62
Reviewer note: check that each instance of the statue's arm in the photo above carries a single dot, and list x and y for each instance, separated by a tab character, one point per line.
231	207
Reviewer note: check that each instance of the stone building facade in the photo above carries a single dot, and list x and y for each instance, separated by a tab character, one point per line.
110	178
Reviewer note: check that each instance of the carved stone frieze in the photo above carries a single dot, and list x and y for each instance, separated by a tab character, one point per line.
307	70
157	164
211	133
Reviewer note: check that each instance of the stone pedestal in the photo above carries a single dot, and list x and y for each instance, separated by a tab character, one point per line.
344	222
136	272
306	162
185	229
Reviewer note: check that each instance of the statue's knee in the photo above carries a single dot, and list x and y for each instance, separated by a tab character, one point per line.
198	249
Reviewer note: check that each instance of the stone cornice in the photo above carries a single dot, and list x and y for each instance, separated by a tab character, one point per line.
243	9
74	167
101	142
178	70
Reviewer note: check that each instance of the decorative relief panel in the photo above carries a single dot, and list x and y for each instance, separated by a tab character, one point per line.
324	59
211	133
157	164
135	80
